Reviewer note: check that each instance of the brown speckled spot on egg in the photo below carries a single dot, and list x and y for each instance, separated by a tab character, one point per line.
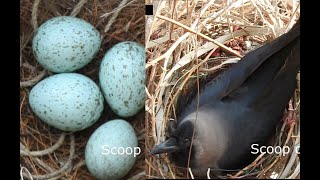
126	104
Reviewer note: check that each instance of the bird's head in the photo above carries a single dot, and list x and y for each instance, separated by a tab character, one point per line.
179	140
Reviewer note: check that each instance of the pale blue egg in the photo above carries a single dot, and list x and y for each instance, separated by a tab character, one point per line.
112	150
122	78
67	101
65	44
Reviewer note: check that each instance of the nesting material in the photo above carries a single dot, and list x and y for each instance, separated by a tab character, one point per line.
46	152
192	41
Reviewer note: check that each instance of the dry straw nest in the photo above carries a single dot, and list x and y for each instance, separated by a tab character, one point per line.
48	153
176	56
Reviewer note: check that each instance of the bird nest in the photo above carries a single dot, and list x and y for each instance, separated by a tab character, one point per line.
192	41
48	153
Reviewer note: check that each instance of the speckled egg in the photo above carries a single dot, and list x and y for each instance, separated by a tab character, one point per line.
67	101
122	78
65	44
111	150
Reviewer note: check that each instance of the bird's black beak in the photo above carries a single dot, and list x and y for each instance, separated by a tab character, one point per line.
168	146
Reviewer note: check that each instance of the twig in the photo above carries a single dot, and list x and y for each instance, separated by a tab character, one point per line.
295	11
44	165
138	176
269	167
27	65
34	13
214	68
115	10
115	15
264	20
171	173
254	163
34	80
207	47
28	174
183	37
293	157
295	173
246	175
79	164
229	50
189	169
64	168
160	170
25	152
208	173
78	8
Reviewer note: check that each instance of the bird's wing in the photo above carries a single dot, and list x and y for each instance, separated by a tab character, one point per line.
230	80
282	86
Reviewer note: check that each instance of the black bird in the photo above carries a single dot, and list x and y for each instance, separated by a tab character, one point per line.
238	108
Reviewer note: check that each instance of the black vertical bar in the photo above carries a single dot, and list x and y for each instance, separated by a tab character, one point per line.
149	9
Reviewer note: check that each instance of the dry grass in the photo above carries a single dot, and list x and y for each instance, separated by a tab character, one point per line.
45	152
183	42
